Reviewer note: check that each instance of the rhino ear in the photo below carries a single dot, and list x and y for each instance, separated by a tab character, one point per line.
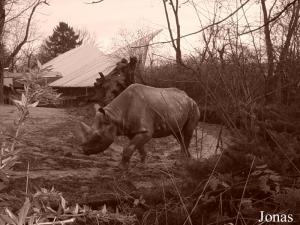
97	107
101	110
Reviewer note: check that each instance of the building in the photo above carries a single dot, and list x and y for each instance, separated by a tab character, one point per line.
80	67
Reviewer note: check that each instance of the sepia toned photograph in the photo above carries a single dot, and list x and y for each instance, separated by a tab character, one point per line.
149	112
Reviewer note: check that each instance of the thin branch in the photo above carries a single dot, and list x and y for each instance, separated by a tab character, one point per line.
173	7
22	11
20	45
204	188
244	190
94	2
291	30
207	41
221	21
164	57
196	32
258	56
271	20
269	45
9	8
187	1
58	222
169	26
271	8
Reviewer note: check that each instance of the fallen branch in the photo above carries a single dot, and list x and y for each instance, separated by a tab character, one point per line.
57	222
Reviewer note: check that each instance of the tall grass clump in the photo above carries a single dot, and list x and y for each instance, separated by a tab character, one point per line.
10	134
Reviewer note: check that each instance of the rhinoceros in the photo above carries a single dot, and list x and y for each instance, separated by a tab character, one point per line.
142	112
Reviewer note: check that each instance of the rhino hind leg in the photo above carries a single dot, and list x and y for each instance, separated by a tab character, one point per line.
186	135
184	140
137	142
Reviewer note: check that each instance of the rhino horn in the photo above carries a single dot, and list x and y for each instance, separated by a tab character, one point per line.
80	135
85	131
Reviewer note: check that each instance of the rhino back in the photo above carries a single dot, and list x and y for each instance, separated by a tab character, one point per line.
140	108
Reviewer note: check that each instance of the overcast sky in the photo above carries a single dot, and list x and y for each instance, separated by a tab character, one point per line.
107	18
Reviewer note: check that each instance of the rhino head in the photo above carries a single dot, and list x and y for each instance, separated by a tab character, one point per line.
100	135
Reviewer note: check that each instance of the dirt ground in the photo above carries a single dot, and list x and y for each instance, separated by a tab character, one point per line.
51	151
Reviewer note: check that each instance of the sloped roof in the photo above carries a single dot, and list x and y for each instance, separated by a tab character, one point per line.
138	48
8	74
50	74
79	67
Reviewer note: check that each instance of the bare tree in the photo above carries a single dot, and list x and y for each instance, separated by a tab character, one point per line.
2	20
5	18
14	36
28	56
128	44
176	42
27	30
276	80
86	36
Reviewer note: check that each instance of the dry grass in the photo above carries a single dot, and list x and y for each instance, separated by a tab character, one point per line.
234	186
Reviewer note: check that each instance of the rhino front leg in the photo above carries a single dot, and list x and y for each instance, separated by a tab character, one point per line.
137	142
143	154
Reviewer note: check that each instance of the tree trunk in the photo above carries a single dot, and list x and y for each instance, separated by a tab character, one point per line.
176	43
2	19
8	60
281	72
29	61
270	82
1	77
178	40
276	84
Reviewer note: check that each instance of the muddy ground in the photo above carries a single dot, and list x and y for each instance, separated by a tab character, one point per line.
51	151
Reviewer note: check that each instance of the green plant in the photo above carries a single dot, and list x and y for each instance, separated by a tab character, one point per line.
19	219
9	154
33	94
50	207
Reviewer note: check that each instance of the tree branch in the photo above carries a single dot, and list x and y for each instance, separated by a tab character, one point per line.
21	12
292	26
176	16
169	26
271	8
20	45
196	32
271	20
268	40
9	9
94	2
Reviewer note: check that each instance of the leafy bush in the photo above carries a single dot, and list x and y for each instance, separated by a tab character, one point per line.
33	94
